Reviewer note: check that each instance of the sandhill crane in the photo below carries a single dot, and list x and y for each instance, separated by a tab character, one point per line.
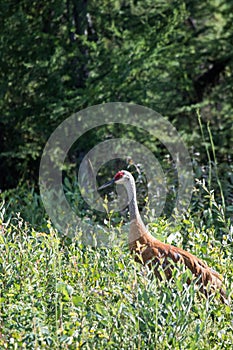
149	250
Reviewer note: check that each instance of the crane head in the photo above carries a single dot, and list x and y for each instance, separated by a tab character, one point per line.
121	177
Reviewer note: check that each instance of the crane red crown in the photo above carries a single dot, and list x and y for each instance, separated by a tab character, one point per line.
119	175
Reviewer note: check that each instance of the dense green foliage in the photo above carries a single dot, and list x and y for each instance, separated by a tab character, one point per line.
62	56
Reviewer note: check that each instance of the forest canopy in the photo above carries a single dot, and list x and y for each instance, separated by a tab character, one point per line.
62	56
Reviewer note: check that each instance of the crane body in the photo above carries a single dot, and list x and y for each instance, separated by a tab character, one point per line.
148	250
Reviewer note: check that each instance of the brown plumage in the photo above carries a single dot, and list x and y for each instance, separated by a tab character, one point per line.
148	250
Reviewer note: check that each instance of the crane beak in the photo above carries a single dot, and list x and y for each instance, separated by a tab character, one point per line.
109	183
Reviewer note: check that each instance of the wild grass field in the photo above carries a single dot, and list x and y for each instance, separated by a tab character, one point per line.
57	293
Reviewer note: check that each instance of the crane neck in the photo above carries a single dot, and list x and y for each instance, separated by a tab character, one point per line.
132	196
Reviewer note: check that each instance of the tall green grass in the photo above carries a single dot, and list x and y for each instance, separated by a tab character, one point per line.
55	295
